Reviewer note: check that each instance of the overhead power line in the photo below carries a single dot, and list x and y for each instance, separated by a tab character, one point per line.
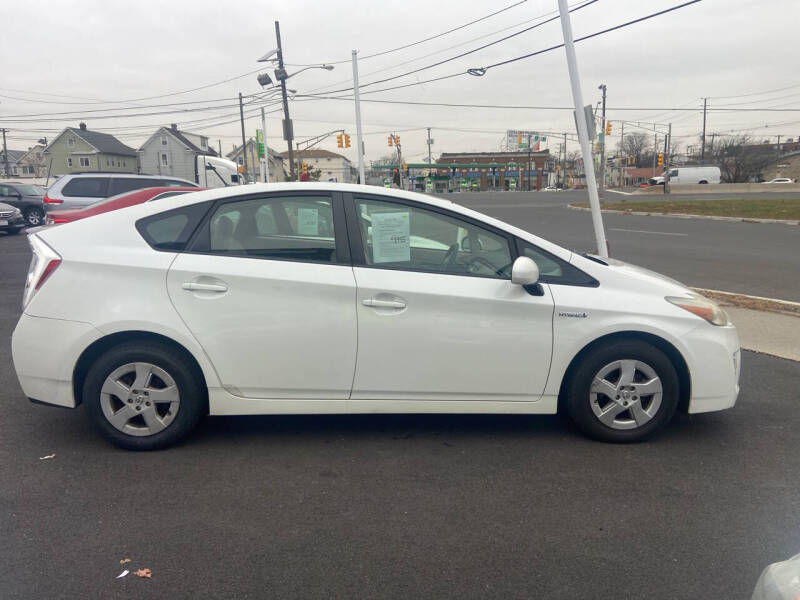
417	43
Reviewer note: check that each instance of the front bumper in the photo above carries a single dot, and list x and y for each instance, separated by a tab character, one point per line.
12	223
45	352
714	360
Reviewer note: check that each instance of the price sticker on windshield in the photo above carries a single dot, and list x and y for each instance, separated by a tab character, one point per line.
391	241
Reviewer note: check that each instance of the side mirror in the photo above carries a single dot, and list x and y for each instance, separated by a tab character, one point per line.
524	271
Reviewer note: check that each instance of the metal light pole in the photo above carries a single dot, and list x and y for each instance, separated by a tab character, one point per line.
703	144
603	142
265	160
244	143
667	143
359	139
583	129
288	134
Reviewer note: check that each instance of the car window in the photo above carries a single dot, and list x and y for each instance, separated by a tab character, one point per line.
283	228
553	269
402	236
87	187
27	190
4	191
120	185
172	229
172	183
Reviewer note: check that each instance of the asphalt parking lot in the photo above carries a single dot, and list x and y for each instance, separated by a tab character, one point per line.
397	506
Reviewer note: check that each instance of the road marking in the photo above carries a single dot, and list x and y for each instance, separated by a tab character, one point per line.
619	192
652	232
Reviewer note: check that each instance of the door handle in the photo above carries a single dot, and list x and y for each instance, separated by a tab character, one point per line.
204	287
375	303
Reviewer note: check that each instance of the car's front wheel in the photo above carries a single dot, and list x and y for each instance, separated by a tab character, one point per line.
624	391
144	395
34	217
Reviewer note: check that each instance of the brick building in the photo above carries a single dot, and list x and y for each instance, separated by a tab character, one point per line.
496	170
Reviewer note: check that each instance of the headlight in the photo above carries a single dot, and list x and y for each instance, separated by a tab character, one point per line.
702	307
17	212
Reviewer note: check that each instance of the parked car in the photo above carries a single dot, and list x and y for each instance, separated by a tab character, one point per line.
55	217
254	300
779	180
81	189
11	219
552	188
27	198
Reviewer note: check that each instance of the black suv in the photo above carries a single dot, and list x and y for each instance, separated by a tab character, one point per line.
28	198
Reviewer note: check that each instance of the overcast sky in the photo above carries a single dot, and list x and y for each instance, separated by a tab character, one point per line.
56	54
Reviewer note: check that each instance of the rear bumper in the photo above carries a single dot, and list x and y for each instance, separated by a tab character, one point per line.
45	352
714	360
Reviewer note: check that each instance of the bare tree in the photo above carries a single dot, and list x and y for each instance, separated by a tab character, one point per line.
739	160
636	145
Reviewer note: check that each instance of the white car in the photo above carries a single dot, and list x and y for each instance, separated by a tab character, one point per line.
334	298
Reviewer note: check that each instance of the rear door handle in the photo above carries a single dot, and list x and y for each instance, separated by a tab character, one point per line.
375	303
204	287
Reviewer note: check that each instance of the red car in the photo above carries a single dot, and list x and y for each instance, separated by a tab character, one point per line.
55	217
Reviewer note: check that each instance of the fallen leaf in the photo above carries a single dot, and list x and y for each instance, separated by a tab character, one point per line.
121	575
46	457
124	560
143	573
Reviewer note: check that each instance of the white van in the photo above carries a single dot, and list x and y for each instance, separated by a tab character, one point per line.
686	175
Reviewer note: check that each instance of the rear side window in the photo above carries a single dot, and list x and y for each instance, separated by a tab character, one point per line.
87	187
171	230
120	185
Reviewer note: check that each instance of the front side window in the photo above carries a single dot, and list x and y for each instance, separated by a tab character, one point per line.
282	228
555	270
408	237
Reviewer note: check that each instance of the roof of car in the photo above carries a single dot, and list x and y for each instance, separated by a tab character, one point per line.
134	175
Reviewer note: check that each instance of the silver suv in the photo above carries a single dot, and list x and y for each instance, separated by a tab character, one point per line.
81	189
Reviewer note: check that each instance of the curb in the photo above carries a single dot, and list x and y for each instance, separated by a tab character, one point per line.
759	303
685	216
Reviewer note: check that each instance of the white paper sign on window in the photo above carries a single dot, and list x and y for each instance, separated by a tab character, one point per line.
391	241
307	221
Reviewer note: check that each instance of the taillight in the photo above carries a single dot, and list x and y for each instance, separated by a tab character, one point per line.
49	200
44	262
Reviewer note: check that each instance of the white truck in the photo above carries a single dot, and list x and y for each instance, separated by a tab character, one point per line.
686	175
213	172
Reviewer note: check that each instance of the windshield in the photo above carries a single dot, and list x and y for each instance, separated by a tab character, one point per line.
29	190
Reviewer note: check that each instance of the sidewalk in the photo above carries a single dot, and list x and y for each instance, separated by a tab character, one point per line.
772	333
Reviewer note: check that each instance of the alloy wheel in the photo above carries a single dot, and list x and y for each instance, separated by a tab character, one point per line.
625	394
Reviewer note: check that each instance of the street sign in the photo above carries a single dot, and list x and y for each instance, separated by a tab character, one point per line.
260	143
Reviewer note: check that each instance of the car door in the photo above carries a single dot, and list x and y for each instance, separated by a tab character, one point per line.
438	316
267	289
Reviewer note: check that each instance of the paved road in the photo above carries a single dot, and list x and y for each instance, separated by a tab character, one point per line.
749	258
397	506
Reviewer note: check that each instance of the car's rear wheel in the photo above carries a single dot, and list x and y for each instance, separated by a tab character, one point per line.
34	216
144	395
623	392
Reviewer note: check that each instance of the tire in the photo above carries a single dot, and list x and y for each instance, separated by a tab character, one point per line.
630	413
156	393
34	217
704	182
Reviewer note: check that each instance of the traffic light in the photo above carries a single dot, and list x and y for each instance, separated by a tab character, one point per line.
660	159
597	146
305	168
339	141
390	140
519	138
346	140
405	167
608	128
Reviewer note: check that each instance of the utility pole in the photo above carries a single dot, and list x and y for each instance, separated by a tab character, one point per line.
359	139
288	134
779	144
5	155
529	161
564	164
244	144
624	159
219	145
667	143
265	160
703	144
430	141
603	143
583	129
655	148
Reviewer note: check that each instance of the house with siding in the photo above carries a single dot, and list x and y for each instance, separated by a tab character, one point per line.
31	163
78	150
276	168
12	156
170	151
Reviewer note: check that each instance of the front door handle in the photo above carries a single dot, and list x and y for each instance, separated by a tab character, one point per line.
204	287
376	303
